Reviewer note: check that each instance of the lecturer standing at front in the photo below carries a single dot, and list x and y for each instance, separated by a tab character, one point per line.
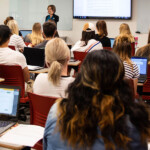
51	10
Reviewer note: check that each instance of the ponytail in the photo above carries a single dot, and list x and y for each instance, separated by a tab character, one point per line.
54	72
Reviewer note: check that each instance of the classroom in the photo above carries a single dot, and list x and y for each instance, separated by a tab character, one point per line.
61	88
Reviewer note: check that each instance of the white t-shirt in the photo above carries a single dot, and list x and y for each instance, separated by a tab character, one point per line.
42	86
11	57
17	41
91	45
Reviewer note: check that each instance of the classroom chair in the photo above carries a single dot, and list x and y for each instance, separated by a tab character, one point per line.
133	49
146	87
39	109
12	47
107	48
13	75
79	56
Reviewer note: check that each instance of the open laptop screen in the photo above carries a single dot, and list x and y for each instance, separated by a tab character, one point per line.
112	42
25	32
9	100
141	63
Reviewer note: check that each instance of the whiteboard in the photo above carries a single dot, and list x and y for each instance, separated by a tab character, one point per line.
27	12
143	16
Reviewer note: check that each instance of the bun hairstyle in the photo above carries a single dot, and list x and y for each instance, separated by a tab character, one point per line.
57	54
8	19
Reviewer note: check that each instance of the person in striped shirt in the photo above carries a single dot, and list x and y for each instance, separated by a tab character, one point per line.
122	46
15	39
87	42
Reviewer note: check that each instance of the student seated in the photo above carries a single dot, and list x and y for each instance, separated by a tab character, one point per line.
49	30
55	82
36	36
15	39
102	33
122	47
125	29
98	113
144	52
10	57
87	42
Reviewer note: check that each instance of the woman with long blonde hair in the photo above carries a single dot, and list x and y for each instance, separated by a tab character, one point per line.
125	29
15	39
36	36
99	113
55	82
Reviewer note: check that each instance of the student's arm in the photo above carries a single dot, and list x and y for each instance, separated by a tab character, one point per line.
26	74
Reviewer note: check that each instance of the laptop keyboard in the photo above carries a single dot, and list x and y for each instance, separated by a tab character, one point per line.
4	123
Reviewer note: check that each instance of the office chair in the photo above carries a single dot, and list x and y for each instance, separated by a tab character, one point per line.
39	109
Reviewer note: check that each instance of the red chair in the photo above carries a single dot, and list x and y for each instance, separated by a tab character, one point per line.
26	43
133	49
39	109
79	56
12	47
107	48
146	86
13	75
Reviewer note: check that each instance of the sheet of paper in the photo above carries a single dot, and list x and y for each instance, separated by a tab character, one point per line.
30	67
27	135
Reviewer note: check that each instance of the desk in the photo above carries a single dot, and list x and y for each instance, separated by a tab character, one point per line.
10	146
45	70
2	79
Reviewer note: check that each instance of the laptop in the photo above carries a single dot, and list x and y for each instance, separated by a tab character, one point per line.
25	32
35	58
142	65
9	103
112	40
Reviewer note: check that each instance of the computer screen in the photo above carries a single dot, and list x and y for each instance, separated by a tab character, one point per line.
141	63
113	9
25	32
9	99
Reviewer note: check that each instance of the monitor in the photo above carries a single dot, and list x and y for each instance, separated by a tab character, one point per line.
111	9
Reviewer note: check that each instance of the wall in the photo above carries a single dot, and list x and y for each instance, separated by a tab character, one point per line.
75	34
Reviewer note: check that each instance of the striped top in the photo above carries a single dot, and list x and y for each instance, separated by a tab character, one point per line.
17	41
131	72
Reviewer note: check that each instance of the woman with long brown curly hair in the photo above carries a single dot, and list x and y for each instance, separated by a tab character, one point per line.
99	113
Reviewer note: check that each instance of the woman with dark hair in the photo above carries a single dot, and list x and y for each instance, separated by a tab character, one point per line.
98	113
102	33
122	47
51	10
87	42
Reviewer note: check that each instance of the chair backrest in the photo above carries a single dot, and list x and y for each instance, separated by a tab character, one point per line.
107	48
39	108
12	47
133	49
79	56
13	75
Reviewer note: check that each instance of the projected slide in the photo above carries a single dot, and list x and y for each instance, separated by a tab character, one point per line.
102	8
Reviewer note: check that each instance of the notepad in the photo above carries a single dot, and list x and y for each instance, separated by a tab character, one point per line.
26	135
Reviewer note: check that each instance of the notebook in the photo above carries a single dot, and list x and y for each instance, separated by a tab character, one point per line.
112	40
9	102
142	65
35	58
25	32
